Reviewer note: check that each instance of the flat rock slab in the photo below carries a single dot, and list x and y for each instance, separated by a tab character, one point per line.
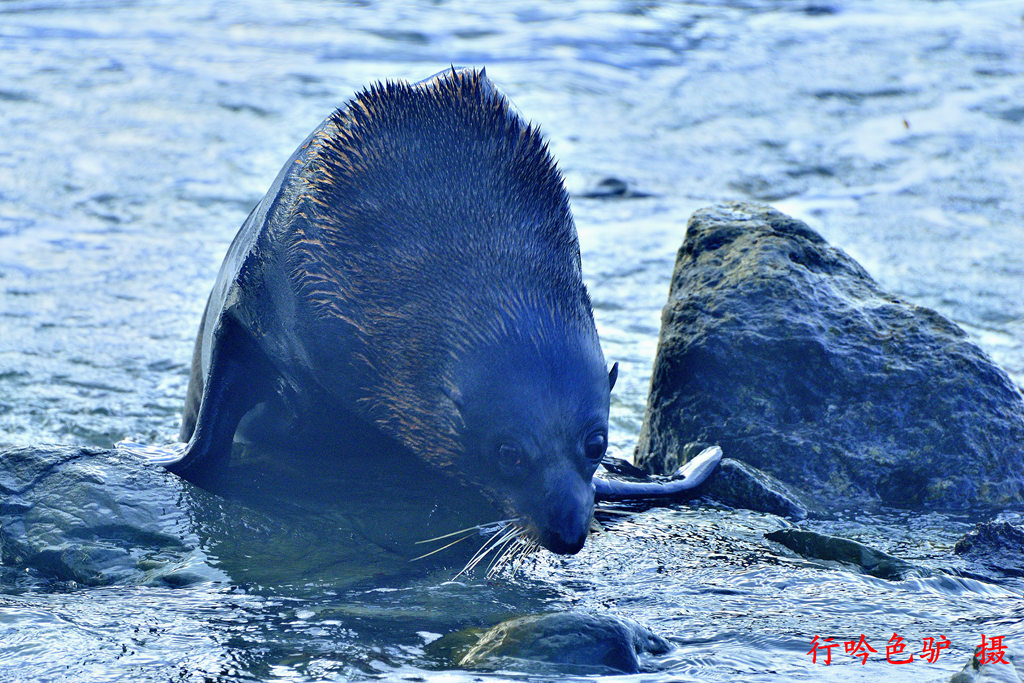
844	552
784	350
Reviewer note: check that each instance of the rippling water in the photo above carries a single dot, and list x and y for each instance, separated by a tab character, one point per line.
135	137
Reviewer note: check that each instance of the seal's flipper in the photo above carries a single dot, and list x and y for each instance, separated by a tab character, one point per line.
686	479
237	381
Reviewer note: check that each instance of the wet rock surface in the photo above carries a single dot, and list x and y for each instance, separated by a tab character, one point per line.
94	517
97	517
990	672
785	351
995	548
738	484
567	642
850	554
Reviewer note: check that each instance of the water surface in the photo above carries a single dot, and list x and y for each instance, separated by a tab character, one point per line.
135	137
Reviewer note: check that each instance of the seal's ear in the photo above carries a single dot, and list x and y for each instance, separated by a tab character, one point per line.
613	375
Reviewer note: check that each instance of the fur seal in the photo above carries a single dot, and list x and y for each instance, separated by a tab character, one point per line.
413	274
415	268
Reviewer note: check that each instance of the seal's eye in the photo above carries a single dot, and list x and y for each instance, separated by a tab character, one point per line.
511	459
597	444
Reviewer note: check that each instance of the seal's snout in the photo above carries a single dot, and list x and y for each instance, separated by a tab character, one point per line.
569	507
566	544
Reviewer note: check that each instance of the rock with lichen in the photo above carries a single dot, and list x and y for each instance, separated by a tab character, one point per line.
783	350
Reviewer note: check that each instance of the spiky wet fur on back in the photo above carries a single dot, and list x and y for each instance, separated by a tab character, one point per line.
431	220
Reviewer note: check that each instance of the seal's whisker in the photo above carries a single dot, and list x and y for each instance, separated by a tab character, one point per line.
444	547
480	553
528	549
493	543
503	560
501	554
497	563
517	561
524	550
477	527
500	538
515	558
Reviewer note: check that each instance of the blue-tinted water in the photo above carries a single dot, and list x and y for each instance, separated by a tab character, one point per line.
135	137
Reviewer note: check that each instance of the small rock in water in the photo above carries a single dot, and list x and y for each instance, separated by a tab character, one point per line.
565	642
783	350
815	546
738	484
996	547
990	672
94	517
613	188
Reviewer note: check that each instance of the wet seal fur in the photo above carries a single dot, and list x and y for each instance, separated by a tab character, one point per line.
415	268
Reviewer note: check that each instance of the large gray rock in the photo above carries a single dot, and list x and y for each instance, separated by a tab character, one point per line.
783	350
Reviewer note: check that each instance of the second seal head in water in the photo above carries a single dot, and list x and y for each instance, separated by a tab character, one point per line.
415	270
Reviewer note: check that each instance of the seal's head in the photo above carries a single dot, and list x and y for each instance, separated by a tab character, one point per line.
431	241
534	411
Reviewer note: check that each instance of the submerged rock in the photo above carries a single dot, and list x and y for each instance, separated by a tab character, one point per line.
564	642
854	555
783	350
95	517
92	517
990	672
611	187
996	547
